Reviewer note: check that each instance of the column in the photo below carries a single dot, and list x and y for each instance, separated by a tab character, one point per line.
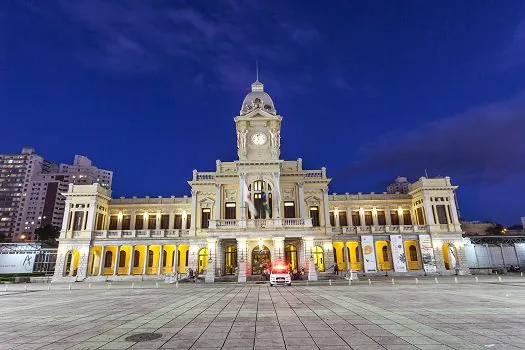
120	217
374	216
218	202
131	260
184	221
429	216
157	221
117	260
347	257
401	217
388	218
161	259
171	224
454	209
278	248
277	197
301	200
326	207
146	258
84	221
67	212
101	262
193	209
133	219
175	266
362	216
336	218
242	210
210	270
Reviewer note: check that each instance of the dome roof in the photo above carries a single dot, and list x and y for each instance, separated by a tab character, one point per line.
257	99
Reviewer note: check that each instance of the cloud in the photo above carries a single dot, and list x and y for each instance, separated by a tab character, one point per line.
482	145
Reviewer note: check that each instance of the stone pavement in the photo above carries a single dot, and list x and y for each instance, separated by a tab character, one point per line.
464	315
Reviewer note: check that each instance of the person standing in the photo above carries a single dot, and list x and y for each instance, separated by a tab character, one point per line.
336	269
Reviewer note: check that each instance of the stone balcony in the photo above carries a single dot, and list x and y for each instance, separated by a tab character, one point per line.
112	234
250	224
394	229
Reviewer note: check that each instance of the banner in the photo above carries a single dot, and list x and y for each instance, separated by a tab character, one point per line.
17	263
427	253
398	253
369	255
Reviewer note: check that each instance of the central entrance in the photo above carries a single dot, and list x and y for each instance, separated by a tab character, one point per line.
230	260
261	259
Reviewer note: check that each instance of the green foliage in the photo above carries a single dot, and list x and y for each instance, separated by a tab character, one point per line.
497	229
48	234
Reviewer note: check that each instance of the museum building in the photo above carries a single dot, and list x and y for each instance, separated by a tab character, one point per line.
251	212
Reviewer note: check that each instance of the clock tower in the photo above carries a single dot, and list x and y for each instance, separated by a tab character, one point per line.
258	127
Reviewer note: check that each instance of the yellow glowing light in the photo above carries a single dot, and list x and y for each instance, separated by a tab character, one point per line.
184	214
158	214
146	214
261	243
336	212
120	215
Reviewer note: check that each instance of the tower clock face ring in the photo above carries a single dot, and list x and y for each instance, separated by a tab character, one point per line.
259	138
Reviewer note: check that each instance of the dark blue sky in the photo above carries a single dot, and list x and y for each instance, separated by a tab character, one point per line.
371	90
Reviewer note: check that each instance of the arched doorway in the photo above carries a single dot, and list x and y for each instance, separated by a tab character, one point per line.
383	255
319	258
71	263
290	256
230	260
203	260
261	258
450	256
412	255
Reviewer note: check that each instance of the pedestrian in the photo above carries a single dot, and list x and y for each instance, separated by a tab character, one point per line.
336	269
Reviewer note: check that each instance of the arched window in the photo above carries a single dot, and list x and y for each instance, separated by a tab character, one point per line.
122	259
261	195
164	255
136	260
150	258
413	253
109	257
319	258
357	254
384	250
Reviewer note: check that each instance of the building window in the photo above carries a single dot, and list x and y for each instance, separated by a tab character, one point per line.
394	217
77	221
205	217
368	218
343	221
122	259
126	222
413	252
100	222
150	258
230	211
381	218
108	258
152	222
113	221
188	225
442	214
356	218
407	217
332	218
178	221
420	216
314	214
164	255
139	222
136	260
165	222
289	210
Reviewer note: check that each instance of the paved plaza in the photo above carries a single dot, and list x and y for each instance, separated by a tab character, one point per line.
466	315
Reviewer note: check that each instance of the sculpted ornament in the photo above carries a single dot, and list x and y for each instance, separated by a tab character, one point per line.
241	139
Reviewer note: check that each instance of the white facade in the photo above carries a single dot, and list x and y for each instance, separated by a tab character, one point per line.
246	214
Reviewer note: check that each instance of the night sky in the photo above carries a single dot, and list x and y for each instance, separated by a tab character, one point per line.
369	89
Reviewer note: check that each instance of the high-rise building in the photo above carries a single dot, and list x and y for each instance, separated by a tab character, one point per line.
31	190
400	185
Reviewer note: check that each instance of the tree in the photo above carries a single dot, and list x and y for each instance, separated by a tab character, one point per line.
48	234
496	229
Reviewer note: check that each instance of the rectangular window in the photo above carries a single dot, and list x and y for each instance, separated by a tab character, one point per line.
368	218
407	217
113	222
356	218
314	214
442	214
188	224
152	222
77	220
205	218
164	222
230	210
289	210
450	213
381	218
332	218
343	221
420	216
394	218
126	222
178	221
100	222
139	222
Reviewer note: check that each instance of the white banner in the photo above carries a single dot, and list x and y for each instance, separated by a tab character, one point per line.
398	253
369	255
427	253
17	263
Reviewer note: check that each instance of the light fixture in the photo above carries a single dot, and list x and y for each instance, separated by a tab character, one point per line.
120	215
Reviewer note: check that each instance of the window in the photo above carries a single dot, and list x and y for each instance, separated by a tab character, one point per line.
164	255
413	252
113	221
122	259
136	260
289	210
205	217
126	222
381	218
332	218
178	221
356	219
442	214
152	222
165	222
343	221
139	222
108	258
314	214
407	217
188	224
420	216
394	218
150	258
77	222
384	251
100	222
368	218
230	210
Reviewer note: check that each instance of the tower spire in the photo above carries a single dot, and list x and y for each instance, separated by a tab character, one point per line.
257	70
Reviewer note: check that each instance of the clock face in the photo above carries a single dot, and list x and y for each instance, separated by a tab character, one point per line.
259	138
